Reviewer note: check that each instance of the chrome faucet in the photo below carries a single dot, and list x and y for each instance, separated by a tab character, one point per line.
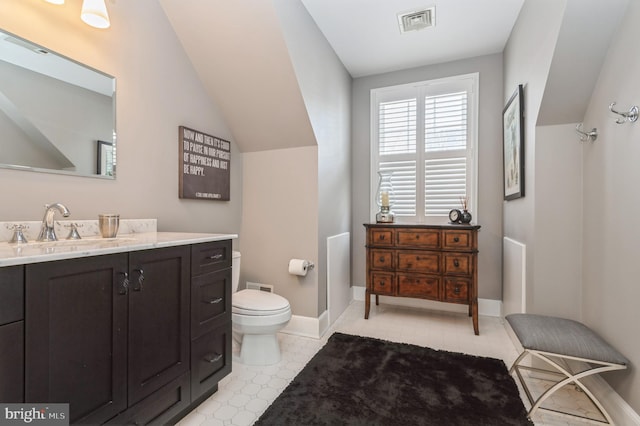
47	232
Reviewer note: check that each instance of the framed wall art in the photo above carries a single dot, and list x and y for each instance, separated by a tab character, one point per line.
513	145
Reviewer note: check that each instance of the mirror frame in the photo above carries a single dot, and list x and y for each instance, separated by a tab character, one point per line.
100	161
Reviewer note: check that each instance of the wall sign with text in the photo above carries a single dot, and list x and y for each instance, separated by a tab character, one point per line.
204	166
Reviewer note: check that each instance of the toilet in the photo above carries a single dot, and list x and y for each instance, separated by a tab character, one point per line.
256	318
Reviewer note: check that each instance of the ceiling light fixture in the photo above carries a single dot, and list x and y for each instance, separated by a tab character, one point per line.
417	19
94	13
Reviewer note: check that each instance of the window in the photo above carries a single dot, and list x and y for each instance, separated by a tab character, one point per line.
425	133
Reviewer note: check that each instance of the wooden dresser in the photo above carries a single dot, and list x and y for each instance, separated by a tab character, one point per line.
436	262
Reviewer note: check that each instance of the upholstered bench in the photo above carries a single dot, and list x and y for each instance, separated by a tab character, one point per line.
557	341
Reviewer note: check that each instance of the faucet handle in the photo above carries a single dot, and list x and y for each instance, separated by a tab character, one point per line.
18	235
73	233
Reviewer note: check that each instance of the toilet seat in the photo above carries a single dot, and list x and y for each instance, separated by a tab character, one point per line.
258	303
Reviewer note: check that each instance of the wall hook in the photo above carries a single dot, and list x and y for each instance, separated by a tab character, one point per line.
587	136
631	115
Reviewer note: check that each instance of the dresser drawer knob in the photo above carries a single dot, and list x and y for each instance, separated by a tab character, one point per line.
456	239
417	237
456	290
456	263
381	259
382	237
381	283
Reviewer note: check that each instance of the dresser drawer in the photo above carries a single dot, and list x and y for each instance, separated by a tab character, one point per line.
458	239
414	285
418	238
382	283
381	259
419	261
456	290
458	263
209	257
381	237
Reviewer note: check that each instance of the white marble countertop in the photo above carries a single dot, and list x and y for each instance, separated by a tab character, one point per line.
34	252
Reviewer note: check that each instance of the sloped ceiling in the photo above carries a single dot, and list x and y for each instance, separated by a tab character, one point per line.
238	50
587	29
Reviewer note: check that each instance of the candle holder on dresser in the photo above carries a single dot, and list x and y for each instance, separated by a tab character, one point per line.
385	197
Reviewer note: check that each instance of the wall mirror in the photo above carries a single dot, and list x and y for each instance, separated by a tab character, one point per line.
56	115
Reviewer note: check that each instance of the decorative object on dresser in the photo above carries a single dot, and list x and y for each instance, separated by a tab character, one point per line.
385	197
436	262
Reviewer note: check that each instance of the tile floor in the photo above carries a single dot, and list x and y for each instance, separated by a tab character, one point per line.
245	393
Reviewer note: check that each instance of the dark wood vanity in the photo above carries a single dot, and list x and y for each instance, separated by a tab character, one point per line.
140	337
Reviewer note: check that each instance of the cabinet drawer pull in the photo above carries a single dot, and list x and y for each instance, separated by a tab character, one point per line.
215	256
456	239
381	237
381	259
124	284
212	301
140	280
211	358
456	290
456	263
381	283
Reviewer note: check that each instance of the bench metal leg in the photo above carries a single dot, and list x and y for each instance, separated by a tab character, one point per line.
562	369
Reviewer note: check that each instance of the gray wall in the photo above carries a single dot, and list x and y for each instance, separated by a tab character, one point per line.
580	247
489	214
610	291
295	198
158	91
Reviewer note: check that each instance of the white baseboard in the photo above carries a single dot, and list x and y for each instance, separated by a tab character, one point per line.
487	307
307	326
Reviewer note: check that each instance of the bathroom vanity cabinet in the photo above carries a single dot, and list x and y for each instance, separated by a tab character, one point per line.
436	262
12	334
113	335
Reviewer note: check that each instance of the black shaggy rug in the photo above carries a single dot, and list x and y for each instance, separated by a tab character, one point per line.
363	381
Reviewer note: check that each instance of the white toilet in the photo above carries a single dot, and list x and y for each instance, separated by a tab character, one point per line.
256	318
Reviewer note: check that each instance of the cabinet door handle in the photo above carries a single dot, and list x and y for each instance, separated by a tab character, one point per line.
124	284
212	301
140	280
211	358
456	239
456	263
215	256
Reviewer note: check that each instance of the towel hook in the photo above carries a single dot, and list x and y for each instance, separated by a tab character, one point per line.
631	115
587	136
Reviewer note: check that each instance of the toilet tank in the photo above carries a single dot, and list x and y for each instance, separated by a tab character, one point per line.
235	271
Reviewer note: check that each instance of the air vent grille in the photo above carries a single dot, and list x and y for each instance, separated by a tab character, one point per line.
417	19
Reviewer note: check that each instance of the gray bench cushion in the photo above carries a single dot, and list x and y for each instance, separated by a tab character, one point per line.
562	336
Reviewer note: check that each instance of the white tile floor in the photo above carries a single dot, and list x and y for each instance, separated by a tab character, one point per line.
244	394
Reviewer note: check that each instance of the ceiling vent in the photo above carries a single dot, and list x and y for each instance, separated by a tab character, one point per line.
417	19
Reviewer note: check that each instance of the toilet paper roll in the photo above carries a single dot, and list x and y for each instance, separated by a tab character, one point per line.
298	267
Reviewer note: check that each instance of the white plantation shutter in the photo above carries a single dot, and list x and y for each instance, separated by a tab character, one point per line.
431	124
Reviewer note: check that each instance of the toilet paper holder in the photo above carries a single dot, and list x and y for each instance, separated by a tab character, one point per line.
300	266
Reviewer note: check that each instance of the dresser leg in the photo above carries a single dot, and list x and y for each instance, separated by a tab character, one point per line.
474	308
377	300
367	303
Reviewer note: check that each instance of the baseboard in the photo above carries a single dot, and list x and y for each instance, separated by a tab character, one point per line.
487	307
308	326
